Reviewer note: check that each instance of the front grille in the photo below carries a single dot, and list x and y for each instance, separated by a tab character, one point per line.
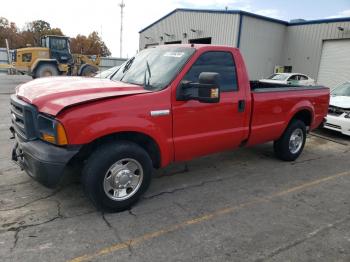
335	111
23	117
333	126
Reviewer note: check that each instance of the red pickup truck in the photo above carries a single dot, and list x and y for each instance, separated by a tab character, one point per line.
166	104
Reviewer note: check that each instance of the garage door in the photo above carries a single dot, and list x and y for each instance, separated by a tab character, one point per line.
335	63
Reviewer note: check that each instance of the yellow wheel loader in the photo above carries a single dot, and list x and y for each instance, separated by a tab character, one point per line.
54	58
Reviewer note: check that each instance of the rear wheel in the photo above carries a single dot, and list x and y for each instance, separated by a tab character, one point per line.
291	144
116	175
46	70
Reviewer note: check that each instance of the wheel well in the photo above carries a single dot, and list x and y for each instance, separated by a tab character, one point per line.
145	141
305	116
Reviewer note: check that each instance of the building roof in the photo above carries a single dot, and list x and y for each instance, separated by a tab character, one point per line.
244	13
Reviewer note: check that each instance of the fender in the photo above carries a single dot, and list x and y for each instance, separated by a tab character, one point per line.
300	106
104	127
38	61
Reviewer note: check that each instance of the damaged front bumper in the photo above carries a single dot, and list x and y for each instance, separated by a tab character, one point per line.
42	161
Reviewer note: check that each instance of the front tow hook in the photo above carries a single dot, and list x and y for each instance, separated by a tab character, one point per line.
12	130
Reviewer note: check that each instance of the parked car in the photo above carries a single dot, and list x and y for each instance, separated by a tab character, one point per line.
108	73
338	117
166	104
289	79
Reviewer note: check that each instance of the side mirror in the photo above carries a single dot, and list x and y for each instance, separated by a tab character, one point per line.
207	90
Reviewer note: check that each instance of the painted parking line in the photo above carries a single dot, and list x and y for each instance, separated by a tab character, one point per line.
200	219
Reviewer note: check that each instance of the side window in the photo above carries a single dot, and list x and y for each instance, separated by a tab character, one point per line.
301	77
26	57
293	78
218	62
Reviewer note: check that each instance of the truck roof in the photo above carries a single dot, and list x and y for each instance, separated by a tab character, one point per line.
196	46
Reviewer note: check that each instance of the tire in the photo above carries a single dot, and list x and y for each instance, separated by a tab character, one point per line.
107	169
292	142
45	70
88	71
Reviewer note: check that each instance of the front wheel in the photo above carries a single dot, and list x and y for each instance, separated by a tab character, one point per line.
116	175
46	70
291	143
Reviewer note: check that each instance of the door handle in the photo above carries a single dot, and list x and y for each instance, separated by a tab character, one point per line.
241	106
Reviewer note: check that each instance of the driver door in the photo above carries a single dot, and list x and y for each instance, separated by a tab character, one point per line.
204	128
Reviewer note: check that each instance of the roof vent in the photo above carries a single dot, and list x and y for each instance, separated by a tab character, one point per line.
299	20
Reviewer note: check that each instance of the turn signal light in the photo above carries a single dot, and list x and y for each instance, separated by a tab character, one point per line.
48	137
61	135
58	138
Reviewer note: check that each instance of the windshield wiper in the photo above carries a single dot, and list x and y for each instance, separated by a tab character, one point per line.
128	64
146	83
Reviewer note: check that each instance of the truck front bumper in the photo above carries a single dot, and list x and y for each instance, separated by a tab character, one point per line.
44	162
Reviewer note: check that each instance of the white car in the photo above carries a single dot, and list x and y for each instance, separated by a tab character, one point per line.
338	117
289	79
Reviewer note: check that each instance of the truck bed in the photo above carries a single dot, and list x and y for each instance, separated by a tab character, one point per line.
274	105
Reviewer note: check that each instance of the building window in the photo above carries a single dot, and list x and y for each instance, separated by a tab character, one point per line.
206	40
172	42
151	45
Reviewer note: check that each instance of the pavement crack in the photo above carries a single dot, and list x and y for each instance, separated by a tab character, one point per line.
17	230
185	188
59	209
131	212
33	201
310	235
106	221
115	231
306	161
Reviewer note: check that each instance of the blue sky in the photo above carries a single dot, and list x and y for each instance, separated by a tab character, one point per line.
84	16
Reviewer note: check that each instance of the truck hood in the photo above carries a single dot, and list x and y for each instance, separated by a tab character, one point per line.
340	101
52	94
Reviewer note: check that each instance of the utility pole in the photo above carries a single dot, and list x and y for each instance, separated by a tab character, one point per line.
122	5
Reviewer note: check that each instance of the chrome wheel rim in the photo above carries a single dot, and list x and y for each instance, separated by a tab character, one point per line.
123	179
296	141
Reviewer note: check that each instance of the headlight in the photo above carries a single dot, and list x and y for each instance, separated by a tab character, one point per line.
52	131
347	114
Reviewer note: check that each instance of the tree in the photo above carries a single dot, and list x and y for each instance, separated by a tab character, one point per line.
91	45
39	28
4	22
9	31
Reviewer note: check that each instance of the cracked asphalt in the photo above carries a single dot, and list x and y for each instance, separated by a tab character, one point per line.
241	205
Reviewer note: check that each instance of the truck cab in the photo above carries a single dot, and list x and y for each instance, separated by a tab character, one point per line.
59	48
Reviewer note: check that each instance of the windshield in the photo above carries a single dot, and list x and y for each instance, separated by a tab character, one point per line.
159	65
342	90
278	77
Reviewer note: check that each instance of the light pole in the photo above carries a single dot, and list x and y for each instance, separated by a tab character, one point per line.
122	5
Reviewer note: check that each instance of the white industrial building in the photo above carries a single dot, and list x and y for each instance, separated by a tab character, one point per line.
318	48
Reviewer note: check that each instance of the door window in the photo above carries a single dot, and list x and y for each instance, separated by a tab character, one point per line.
218	62
301	77
293	78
